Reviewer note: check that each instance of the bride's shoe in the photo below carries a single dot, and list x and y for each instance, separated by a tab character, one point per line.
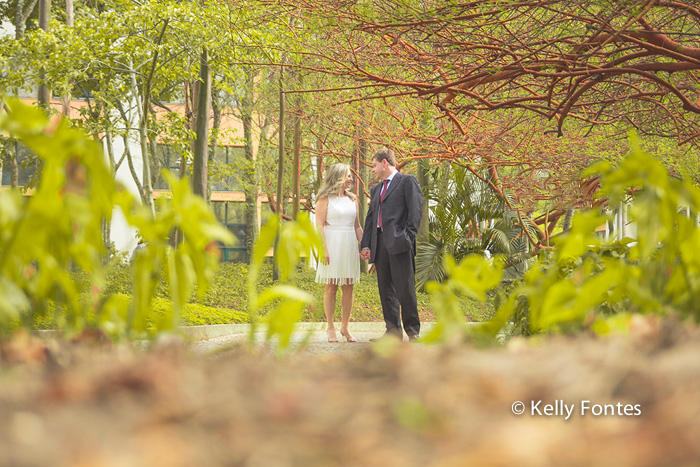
348	337
331	335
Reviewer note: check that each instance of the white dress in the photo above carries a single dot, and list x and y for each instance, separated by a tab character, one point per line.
341	244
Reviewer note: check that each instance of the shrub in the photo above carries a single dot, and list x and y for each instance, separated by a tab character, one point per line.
228	292
585	280
195	314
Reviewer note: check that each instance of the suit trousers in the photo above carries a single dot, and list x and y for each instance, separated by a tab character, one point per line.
397	288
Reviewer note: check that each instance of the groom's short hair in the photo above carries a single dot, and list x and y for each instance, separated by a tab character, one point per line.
387	155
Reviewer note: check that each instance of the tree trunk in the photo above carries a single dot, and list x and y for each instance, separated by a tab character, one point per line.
250	185
106	238
144	106
175	236
280	171
127	150
134	175
110	152
362	182
69	12
44	96
153	155
319	165
23	11
567	219
113	167
201	146
14	168
424	182
216	124
147	195
190	109
280	157
296	179
69	23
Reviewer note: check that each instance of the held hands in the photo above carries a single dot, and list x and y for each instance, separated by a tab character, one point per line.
364	254
327	259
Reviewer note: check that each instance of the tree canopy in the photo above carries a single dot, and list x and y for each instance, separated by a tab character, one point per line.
522	94
600	62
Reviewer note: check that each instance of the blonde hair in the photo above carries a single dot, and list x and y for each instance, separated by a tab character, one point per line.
333	183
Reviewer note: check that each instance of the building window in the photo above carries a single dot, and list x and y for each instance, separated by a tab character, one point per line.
168	157
226	168
232	215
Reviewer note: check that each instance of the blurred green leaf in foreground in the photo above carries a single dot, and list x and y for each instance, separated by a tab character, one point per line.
58	229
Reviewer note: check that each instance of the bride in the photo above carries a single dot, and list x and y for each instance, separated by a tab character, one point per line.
338	219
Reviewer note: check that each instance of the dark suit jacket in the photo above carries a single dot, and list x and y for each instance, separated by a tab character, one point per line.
401	213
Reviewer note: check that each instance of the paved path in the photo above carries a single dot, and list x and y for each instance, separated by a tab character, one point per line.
210	338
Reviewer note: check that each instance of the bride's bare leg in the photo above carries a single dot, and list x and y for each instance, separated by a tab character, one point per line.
329	295
346	309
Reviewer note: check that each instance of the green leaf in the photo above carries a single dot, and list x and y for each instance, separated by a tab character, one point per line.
286	314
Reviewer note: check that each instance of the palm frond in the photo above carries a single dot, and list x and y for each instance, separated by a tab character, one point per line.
496	241
429	263
463	203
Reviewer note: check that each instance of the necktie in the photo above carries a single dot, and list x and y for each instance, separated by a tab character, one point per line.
381	200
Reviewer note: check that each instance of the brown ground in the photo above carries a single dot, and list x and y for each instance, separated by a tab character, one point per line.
403	404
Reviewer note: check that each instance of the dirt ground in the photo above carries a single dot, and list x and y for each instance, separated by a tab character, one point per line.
94	404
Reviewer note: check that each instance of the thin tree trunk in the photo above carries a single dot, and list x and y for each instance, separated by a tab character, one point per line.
250	185
69	12
127	149
44	95
14	168
132	169
190	110
146	187
567	219
110	152
280	157
189	124
319	165
144	105
106	238
363	151
216	123
175	236
296	177
153	155
23	11
201	147
69	23
424	182
280	171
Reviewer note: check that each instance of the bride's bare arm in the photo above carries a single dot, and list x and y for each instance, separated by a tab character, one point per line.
321	212
358	226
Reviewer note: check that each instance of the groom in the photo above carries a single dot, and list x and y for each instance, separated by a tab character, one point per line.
389	241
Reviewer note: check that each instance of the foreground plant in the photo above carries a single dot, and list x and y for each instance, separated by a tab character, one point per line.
296	239
584	281
48	236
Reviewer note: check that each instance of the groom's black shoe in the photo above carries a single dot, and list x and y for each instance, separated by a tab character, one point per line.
389	334
413	337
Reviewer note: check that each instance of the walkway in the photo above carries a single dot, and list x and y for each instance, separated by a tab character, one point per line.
209	338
